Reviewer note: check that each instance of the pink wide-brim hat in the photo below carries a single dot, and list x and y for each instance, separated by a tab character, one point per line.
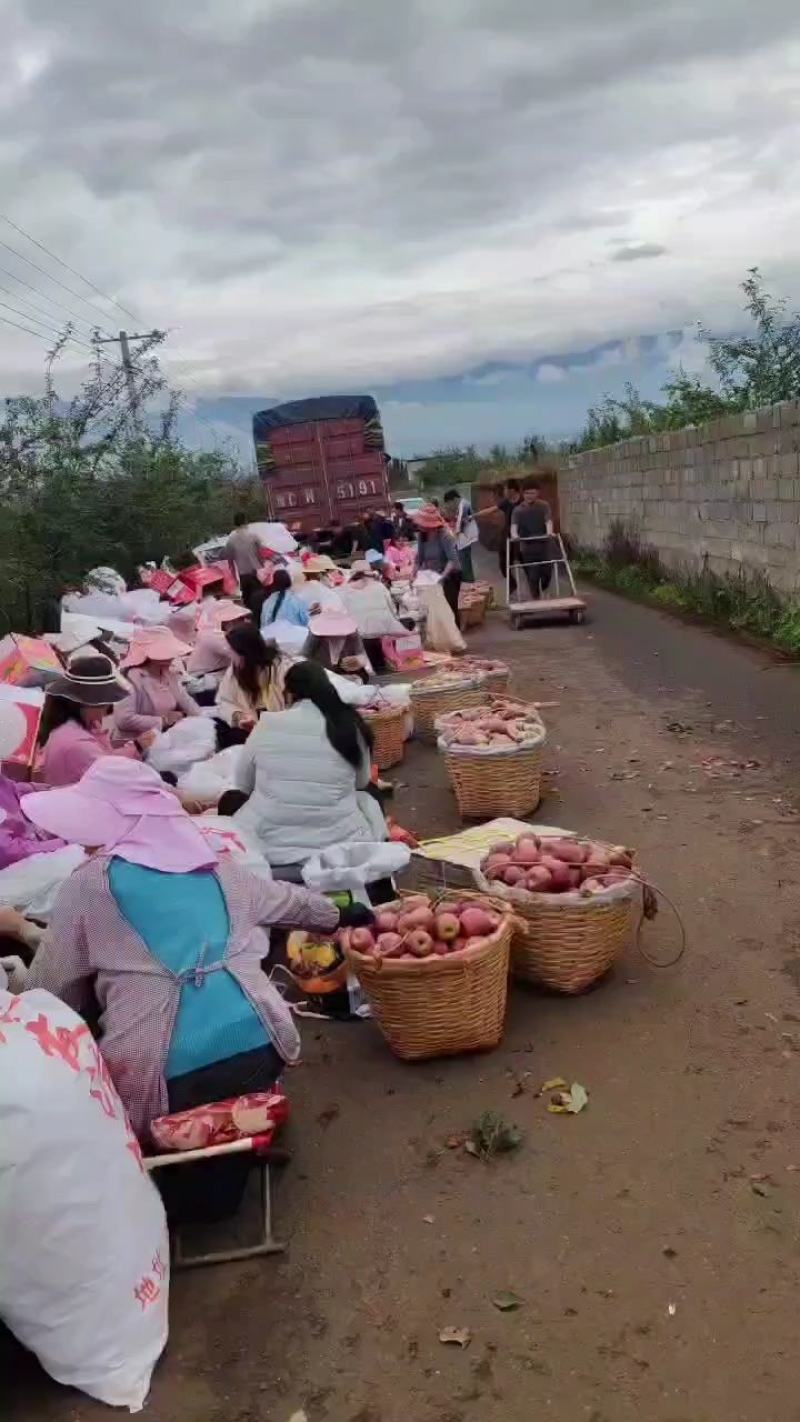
154	644
332	624
428	518
124	808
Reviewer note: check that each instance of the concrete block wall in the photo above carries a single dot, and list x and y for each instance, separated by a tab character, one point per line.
725	495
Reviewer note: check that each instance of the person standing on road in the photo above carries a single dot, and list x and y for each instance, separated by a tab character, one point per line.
437	553
461	519
507	499
243	552
532	524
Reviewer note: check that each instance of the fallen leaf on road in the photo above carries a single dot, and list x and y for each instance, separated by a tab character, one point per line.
759	1189
669	1253
506	1301
300	1416
570	1102
427	1219
672	1310
453	1142
555	1084
460	1336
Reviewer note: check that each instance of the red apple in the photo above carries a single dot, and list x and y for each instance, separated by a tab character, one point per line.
419	943
389	945
362	940
447	927
386	921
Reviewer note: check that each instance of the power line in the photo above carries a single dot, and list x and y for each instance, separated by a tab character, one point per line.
39	313
52	278
52	299
29	329
68	268
47	330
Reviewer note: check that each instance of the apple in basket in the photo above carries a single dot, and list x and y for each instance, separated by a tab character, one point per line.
557	864
426	932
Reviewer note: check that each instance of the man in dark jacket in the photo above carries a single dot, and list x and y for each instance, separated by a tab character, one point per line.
532	525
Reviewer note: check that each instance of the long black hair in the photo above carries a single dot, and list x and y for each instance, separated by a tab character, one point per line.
347	732
281	583
57	711
256	656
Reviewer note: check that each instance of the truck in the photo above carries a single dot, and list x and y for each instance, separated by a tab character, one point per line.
322	461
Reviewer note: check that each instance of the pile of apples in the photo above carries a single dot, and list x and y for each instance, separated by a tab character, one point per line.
503	724
558	866
418	929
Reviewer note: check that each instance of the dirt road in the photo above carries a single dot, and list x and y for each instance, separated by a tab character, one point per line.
653	1240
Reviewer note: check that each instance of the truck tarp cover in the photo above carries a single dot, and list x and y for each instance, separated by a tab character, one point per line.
301	412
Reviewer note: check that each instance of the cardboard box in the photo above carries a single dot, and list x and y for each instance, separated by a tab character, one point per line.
27	661
20	730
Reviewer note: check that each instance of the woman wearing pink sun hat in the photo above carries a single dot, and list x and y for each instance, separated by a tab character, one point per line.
334	642
171	940
158	698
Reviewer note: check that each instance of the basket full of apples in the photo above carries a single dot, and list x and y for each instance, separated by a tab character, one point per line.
575	902
435	972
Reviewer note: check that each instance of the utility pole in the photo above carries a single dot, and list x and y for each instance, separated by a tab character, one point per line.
124	340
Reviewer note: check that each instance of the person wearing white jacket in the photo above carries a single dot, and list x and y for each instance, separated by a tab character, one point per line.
307	771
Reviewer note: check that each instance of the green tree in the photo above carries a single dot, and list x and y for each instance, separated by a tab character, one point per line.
100	478
451	466
759	368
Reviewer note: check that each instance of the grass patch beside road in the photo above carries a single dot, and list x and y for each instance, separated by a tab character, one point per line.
742	603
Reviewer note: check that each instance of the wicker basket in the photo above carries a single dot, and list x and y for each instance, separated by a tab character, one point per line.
388	728
439	1007
496	682
488	783
427	703
565	942
500	783
471	613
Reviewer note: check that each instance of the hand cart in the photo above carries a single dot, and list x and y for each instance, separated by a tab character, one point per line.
543	575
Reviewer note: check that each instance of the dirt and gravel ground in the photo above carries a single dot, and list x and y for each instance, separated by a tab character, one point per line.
653	1239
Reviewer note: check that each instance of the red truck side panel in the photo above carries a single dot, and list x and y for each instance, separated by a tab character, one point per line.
322	471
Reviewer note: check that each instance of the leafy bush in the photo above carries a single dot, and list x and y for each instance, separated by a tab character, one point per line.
745	602
88	481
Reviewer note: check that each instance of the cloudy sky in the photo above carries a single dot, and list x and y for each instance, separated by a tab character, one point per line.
486	212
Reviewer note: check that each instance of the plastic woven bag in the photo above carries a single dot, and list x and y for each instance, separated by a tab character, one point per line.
85	1277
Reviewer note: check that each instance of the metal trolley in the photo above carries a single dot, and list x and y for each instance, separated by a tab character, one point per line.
546	573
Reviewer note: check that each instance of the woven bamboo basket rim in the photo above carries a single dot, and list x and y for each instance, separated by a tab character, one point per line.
384	713
472	681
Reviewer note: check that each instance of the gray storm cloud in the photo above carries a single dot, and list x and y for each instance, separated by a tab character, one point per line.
314	192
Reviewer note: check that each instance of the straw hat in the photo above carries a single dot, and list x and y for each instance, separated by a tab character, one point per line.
90	681
154	644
